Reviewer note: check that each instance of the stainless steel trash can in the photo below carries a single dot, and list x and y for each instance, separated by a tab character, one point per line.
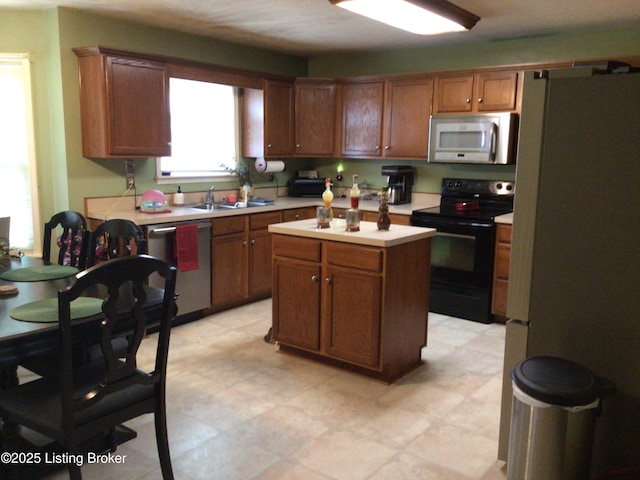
555	404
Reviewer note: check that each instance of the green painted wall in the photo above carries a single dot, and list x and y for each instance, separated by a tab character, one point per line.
568	46
66	177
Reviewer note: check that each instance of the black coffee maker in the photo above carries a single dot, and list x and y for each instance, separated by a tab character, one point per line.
399	181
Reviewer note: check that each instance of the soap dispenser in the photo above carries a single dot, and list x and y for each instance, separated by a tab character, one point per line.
178	197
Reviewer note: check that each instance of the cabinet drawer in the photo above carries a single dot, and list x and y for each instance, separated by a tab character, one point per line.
355	256
503	234
296	247
263	220
339	212
367	216
224	226
298	214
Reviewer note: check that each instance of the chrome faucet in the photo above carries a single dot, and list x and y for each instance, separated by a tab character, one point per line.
209	200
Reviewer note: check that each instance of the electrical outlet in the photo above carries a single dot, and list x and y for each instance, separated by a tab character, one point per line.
130	173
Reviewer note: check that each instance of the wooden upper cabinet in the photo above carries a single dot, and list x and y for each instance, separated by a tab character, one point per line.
483	92
362	116
278	118
386	119
124	106
496	91
407	114
315	118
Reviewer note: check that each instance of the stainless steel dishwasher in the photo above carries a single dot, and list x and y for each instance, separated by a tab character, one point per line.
193	287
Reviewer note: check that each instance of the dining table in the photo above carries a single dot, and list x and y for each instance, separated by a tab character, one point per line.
22	341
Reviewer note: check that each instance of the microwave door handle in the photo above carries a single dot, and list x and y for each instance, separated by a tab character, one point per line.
494	140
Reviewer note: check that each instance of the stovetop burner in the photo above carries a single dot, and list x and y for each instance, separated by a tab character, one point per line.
471	199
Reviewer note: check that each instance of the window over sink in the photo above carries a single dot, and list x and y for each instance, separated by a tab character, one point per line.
204	132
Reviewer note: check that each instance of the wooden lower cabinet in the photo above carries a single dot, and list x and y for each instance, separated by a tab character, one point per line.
357	307
501	272
353	319
241	259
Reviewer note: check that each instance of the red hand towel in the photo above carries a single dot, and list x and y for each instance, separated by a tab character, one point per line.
186	247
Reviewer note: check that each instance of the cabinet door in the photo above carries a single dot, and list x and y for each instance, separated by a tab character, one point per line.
362	119
259	263
124	106
352	315
407	118
501	271
229	267
278	118
138	94
315	116
296	303
496	91
453	94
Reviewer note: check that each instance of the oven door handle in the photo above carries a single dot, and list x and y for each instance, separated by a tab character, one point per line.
431	223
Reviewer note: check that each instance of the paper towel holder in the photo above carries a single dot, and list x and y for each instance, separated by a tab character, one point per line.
269	166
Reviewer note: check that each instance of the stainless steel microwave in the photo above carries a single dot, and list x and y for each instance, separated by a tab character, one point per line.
486	138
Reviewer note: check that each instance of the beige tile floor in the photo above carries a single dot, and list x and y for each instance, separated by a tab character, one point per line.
239	410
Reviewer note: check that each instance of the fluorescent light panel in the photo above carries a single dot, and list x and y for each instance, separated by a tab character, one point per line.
416	16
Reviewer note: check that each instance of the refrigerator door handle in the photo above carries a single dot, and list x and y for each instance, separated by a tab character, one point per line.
515	321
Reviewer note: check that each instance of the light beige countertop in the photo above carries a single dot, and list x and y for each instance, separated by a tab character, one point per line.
368	234
106	208
506	219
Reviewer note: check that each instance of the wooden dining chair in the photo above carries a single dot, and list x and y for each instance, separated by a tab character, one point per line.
115	238
85	400
73	241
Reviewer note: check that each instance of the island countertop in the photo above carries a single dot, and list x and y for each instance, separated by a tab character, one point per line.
368	234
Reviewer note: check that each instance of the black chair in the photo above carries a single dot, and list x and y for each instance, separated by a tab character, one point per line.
85	401
74	239
116	238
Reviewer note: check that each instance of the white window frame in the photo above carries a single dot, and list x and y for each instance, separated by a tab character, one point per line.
210	175
23	61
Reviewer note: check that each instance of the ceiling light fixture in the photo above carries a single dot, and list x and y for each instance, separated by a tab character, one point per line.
424	17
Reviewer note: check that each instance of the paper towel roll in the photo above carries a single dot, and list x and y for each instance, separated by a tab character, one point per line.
270	166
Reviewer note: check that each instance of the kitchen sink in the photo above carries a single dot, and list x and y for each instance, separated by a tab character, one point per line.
227	206
213	206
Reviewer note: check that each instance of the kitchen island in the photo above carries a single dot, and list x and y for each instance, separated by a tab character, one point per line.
353	300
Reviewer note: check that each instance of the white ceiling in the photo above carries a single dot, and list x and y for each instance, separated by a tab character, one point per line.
315	27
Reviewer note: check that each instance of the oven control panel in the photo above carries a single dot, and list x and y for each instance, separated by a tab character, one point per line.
453	186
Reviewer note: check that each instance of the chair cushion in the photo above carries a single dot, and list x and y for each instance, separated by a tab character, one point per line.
38	402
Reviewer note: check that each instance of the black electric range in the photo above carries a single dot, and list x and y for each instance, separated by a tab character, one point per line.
462	252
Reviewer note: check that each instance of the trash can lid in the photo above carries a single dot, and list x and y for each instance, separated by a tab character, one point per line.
556	381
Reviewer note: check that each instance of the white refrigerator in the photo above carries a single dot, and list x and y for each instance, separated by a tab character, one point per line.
574	282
